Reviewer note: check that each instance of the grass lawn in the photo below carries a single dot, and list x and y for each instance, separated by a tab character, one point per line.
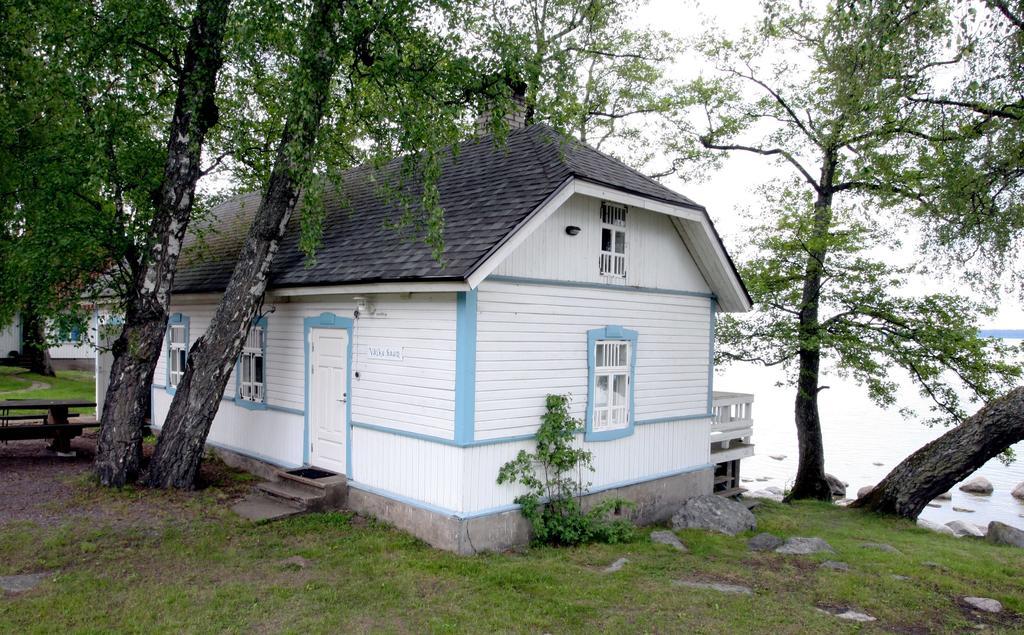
68	384
207	571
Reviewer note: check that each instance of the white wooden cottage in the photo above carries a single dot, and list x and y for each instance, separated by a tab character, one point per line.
564	272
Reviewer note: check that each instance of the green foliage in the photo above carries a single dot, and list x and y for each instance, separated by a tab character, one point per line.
553	476
829	94
587	70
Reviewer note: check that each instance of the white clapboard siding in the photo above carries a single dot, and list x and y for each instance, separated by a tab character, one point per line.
415	394
269	435
532	341
652	451
415	469
10	337
655	254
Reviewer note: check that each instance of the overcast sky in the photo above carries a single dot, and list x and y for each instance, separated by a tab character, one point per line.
728	192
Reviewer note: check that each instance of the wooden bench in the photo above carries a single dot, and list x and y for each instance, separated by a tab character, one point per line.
45	431
53	425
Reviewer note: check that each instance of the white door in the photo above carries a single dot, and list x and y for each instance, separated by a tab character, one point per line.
328	373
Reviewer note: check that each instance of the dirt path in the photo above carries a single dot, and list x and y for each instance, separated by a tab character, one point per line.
35	385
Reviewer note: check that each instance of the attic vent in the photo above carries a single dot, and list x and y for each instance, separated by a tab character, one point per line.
613	240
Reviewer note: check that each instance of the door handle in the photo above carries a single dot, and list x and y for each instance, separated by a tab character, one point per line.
343	398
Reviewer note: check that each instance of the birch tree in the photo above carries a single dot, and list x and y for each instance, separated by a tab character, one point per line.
137	349
369	73
825	95
586	71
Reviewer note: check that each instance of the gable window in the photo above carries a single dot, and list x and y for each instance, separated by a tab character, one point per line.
251	376
611	364
613	240
177	349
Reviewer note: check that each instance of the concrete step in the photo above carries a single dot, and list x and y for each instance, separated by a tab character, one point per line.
332	489
260	508
293	494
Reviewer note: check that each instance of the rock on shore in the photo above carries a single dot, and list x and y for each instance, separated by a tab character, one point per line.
977	485
1003	534
714	513
1018	492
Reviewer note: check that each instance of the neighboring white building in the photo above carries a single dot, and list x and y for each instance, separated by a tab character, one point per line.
564	272
74	346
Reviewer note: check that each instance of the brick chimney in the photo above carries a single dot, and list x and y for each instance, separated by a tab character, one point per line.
516	115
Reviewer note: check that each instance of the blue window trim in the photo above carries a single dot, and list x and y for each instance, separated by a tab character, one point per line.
465	365
328	321
246	403
176	318
610	332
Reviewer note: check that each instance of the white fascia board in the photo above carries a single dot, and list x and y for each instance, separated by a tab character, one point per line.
534	221
380	287
618	196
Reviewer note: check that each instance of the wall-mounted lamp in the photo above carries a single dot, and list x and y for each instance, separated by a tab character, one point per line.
572	230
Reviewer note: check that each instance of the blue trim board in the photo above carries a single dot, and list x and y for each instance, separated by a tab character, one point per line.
598	285
176	318
605	334
328	321
465	365
498	440
711	358
508	508
246	403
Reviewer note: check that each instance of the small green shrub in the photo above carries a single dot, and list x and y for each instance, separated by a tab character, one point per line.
553	477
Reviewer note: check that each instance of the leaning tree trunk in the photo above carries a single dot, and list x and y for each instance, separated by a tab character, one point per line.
810	475
34	348
179	449
137	349
946	461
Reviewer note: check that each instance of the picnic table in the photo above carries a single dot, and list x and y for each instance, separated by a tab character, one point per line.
55	424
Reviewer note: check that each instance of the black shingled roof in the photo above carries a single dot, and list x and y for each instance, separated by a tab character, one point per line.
487	191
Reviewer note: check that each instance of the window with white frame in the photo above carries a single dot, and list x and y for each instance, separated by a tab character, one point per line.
613	240
251	380
611	385
177	350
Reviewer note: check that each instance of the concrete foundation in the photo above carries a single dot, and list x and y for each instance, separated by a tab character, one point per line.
655	502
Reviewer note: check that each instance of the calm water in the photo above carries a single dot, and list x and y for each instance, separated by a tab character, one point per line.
857	435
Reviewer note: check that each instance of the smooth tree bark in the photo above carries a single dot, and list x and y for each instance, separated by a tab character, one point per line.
137	349
210	361
34	348
946	461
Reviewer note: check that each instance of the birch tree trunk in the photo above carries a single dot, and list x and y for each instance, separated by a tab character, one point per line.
180	446
810	475
119	449
946	461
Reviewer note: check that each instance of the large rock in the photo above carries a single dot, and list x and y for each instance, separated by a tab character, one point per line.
977	485
764	542
963	528
1003	534
838	487
1018	492
714	513
948	496
936	527
864	491
984	604
797	546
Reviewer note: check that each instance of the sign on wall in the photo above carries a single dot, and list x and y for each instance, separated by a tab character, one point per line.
385	352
